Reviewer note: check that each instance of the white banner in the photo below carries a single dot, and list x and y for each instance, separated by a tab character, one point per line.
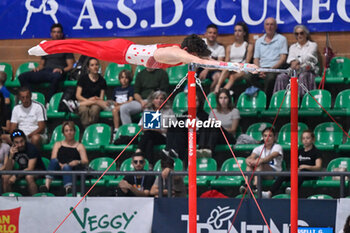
94	214
343	211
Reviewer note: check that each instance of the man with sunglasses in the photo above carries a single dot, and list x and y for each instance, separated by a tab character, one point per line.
27	157
134	185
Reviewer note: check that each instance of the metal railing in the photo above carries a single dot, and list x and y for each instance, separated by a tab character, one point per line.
96	174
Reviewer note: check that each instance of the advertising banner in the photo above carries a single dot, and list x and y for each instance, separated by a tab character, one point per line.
216	215
343	212
94	214
127	18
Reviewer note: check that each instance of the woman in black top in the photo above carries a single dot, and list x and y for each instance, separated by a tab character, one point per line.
67	155
90	93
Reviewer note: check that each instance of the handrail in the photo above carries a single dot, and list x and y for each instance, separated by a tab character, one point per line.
259	174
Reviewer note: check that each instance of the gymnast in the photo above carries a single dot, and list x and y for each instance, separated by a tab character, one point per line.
123	51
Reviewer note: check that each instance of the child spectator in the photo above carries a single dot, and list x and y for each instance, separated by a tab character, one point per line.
123	94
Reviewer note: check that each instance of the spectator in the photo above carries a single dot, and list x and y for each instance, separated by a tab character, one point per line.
4	116
177	183
28	158
90	94
147	81
309	160
270	52
152	137
29	116
217	53
302	58
3	89
122	95
229	117
136	185
52	68
270	153
4	151
240	51
5	104
67	155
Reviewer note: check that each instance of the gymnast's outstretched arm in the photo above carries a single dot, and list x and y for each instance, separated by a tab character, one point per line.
174	55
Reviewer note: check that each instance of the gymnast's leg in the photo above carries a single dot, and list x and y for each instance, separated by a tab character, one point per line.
112	50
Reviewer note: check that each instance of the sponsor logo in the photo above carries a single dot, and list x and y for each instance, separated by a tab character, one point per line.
154	120
9	220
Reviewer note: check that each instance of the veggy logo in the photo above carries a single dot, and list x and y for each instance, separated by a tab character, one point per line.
152	120
105	223
9	220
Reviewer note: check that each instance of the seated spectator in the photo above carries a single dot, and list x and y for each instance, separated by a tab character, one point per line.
270	51
229	117
147	81
5	113
122	95
134	185
240	51
3	89
152	137
217	53
6	106
309	158
30	117
52	68
4	151
302	58
90	94
67	155
271	157
27	156
177	183
346	228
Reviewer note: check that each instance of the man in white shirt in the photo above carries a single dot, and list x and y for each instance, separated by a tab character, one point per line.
217	53
29	116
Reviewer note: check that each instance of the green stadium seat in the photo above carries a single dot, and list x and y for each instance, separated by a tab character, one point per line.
57	136
7	68
309	107
275	103
11	194
338	71
112	72
254	131
212	100
346	145
251	106
342	104
44	195
101	164
178	165
52	111
12	100
39	97
338	164
328	136
180	103
204	164
125	166
320	196
138	69
129	130
96	137
284	135
228	166
246	195
25	67
176	73
281	196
